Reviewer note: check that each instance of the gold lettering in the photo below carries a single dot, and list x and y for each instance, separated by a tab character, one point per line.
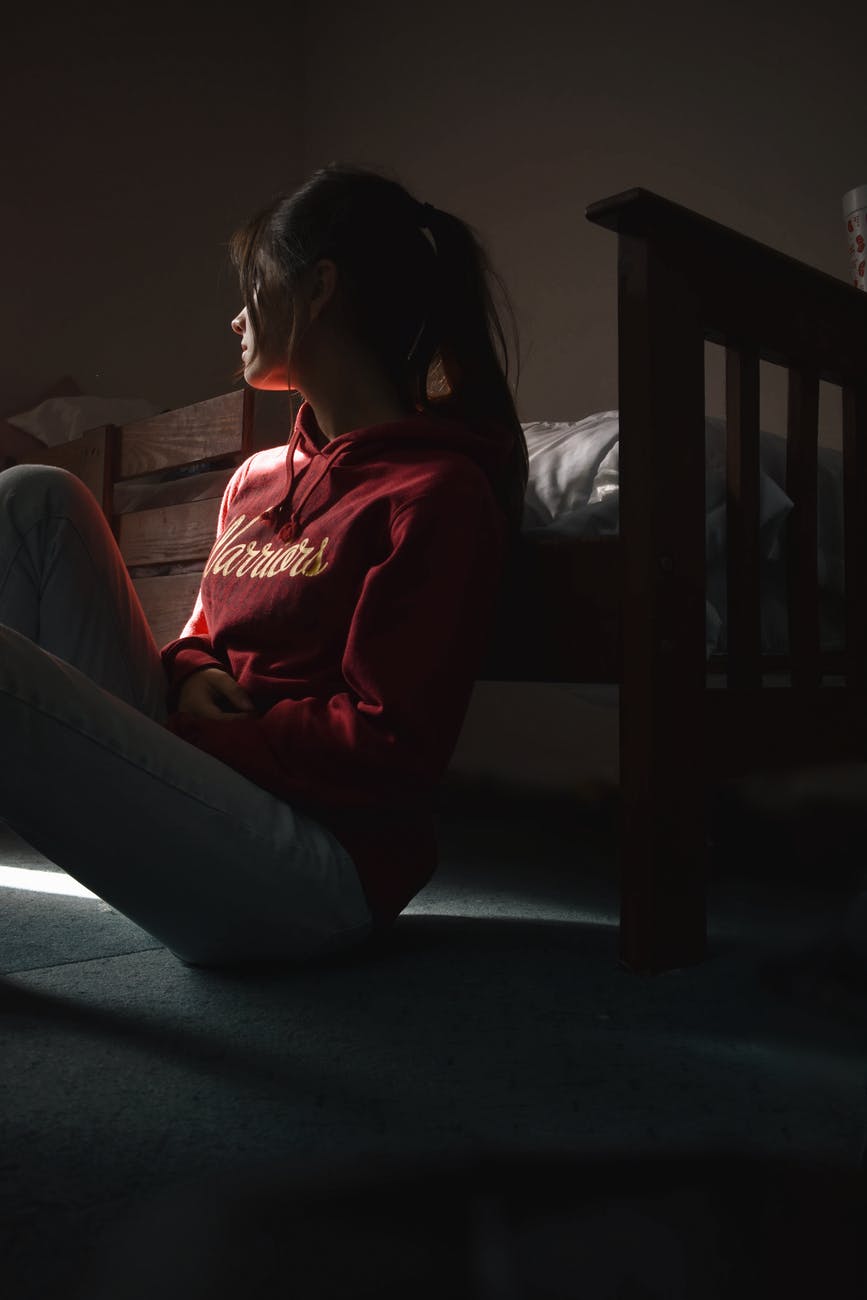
252	552
228	558
278	563
265	555
315	565
249	560
235	528
295	554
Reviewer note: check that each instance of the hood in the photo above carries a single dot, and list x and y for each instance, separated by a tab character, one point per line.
489	450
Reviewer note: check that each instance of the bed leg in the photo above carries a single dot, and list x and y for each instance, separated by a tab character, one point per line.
663	909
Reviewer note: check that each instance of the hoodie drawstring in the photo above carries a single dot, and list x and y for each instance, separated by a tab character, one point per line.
289	531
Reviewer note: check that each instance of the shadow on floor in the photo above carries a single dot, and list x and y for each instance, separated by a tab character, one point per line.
702	1226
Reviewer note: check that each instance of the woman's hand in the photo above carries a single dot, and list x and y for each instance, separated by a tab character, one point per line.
211	693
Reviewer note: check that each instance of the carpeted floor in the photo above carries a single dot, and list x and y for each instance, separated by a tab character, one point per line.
494	1019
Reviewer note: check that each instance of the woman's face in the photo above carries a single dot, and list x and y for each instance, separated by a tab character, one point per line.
259	372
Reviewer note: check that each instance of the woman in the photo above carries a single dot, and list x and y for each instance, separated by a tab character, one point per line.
262	787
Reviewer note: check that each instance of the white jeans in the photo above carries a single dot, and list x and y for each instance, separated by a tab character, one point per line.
214	867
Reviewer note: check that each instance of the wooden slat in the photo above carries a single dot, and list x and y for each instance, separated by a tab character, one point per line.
90	458
201	432
662	536
169	534
855	532
18	447
133	495
802	450
167	603
743	618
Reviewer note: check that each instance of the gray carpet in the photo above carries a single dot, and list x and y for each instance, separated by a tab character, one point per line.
494	1018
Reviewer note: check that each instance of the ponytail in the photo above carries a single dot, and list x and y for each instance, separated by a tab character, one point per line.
456	350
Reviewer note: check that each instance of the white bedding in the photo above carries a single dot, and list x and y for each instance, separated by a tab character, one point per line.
574	490
60	419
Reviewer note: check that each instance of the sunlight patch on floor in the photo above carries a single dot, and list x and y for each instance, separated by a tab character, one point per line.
42	882
504	908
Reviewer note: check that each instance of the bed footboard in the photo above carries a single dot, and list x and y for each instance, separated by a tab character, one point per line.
683	279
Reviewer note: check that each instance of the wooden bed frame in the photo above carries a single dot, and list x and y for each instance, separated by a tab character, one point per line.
628	609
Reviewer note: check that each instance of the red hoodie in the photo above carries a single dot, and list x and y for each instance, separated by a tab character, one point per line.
351	591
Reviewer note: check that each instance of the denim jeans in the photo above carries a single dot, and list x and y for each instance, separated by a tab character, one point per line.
214	867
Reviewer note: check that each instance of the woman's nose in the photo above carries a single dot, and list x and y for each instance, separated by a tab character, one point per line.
238	322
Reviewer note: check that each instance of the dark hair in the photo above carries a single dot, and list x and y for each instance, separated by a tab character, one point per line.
422	306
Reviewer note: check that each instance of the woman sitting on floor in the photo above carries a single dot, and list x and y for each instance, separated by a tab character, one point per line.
261	788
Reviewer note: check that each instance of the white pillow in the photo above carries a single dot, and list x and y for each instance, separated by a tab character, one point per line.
564	459
60	419
574	482
774	505
829	513
574	489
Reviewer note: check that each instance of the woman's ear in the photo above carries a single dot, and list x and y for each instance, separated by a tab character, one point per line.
324	286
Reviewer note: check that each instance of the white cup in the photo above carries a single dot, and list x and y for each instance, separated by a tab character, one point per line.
855	217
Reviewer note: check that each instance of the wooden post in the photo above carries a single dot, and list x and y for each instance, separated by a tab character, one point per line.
801	538
743	614
662	530
855	533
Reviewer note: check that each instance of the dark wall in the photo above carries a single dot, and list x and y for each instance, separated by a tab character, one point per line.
138	144
517	116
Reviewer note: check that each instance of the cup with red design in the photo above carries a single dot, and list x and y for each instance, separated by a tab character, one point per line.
855	217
